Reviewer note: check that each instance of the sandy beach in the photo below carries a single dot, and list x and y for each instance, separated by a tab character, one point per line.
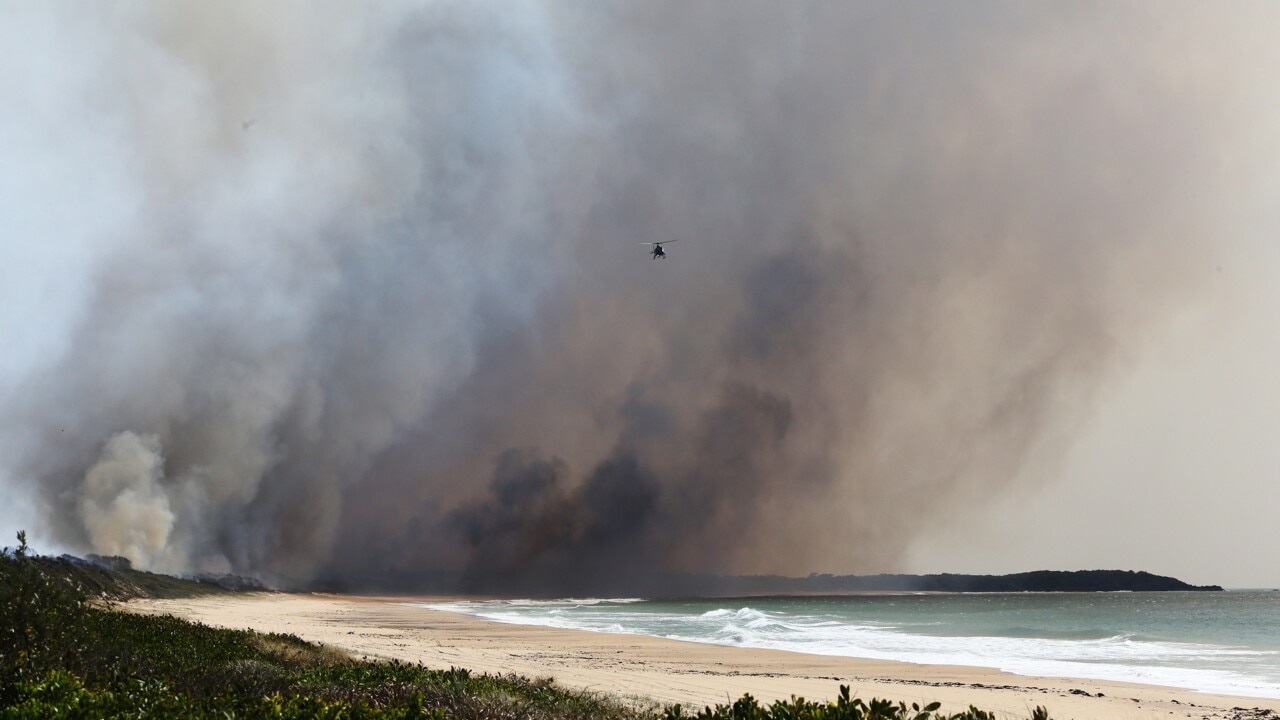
668	671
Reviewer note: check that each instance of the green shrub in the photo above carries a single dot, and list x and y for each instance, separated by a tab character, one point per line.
843	707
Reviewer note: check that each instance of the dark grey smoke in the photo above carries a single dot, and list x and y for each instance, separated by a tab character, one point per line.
362	295
621	528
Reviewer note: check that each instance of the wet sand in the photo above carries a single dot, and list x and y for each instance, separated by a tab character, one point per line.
670	671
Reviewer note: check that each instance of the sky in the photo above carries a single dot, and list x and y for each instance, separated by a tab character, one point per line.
359	296
1175	472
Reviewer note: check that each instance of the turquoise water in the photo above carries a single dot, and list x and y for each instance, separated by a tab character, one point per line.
1226	642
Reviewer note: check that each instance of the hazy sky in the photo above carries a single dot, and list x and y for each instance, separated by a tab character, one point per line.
347	293
1177	469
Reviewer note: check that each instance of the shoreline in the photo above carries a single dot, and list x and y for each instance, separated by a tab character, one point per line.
646	668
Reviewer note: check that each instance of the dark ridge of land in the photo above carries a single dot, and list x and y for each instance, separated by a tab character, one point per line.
691	585
1037	581
115	578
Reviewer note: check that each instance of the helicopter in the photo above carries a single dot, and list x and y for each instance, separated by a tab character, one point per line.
657	251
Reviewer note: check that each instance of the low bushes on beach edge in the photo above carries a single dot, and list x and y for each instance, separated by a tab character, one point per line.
65	656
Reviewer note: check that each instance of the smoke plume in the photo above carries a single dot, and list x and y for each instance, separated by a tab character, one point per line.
358	293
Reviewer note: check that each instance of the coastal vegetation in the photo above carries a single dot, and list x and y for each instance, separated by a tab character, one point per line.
65	652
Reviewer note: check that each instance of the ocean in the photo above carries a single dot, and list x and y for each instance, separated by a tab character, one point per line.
1219	642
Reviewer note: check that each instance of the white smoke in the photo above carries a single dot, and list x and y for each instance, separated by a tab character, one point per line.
255	235
123	503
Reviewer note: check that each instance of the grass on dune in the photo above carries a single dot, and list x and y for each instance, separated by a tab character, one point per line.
65	656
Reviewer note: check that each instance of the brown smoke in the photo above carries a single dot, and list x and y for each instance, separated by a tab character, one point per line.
380	309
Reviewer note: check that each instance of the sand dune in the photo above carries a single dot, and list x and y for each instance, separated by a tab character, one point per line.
668	671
